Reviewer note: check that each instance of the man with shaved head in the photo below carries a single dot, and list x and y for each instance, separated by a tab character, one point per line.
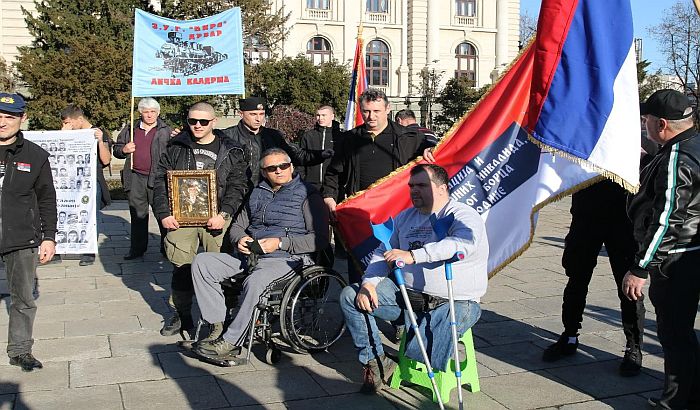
200	147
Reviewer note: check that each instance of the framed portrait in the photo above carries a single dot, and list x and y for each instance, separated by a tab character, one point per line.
192	196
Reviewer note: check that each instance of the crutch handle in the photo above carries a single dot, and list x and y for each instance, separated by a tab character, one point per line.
398	265
458	256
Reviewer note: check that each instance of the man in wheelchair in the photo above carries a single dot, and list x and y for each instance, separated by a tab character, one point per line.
282	224
415	242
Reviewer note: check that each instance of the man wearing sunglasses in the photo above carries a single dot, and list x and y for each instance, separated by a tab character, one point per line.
283	223
251	133
201	147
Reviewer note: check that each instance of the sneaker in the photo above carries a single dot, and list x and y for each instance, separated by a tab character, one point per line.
171	326
560	349
26	361
215	332
218	348
376	372
632	362
86	260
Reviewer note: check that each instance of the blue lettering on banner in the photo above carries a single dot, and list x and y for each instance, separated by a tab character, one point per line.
496	171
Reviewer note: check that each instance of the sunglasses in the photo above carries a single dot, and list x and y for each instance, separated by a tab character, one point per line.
283	166
201	121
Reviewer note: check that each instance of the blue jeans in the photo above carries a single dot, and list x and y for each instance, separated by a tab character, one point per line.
366	335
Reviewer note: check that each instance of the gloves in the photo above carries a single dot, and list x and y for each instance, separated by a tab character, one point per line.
327	153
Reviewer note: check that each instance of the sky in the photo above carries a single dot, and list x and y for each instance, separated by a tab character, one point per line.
645	14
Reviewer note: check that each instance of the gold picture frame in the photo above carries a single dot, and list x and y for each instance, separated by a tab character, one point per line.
192	196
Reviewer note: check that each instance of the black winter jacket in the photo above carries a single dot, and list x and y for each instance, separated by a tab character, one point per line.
318	139
230	172
666	210
343	174
160	141
28	208
266	138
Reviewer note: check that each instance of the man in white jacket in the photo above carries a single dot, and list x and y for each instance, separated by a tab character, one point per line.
415	242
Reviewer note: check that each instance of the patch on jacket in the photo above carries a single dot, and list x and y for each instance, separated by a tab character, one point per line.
24	167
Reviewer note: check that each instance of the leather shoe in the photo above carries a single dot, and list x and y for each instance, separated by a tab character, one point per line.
26	361
131	256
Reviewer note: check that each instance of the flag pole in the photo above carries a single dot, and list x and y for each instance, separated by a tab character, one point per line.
697	6
131	130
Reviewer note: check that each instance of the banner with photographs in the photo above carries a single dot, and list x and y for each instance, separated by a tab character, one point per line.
188	57
73	158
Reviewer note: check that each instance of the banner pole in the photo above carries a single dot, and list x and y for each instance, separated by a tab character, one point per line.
131	130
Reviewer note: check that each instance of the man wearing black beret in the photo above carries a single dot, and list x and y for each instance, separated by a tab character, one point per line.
251	133
666	214
27	224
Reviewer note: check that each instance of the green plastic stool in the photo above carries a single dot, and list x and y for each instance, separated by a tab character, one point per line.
414	372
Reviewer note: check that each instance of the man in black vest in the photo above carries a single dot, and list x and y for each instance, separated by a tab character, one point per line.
284	222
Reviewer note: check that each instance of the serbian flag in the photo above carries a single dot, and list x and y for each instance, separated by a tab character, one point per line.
563	114
358	84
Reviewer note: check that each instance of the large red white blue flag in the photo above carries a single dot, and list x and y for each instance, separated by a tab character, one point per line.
188	57
565	112
358	84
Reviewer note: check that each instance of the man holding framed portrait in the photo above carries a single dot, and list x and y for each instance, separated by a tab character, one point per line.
199	165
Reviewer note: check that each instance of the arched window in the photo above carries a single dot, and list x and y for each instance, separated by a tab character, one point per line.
318	49
467	59
465	8
254	50
377	63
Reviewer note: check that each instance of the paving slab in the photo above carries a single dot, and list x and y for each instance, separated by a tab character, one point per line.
45	330
531	390
601	379
142	342
87	398
62	313
187	393
103	326
269	387
99	372
71	348
97	295
54	376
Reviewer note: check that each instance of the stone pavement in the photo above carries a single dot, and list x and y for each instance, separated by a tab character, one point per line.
97	333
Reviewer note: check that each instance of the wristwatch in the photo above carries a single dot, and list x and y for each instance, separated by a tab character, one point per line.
225	215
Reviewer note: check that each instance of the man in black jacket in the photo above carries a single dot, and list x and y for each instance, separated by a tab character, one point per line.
324	136
665	214
256	138
201	147
151	135
27	224
368	153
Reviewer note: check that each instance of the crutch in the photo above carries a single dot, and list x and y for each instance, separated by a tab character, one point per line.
383	233
441	227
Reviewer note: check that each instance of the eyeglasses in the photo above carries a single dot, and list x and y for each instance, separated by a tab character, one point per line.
283	166
201	121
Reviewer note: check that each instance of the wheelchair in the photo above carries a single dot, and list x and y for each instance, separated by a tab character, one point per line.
303	312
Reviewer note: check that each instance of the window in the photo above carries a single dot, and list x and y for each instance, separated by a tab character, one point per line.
467	58
466	8
377	6
254	50
318	4
377	63
318	49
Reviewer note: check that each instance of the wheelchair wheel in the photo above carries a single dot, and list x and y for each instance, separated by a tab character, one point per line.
310	317
273	355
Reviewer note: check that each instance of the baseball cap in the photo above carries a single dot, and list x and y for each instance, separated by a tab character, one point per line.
12	103
252	103
667	104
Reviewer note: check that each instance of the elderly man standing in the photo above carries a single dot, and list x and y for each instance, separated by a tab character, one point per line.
201	147
27	224
666	213
286	216
151	136
415	243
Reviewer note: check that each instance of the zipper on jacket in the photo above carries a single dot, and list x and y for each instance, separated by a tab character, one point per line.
323	147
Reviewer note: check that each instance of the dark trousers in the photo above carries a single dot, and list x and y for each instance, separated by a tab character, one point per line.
140	198
596	223
21	271
674	292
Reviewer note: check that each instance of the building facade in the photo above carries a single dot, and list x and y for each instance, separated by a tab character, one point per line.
13	29
471	38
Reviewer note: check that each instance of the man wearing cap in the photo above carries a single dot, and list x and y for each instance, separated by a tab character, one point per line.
666	213
201	147
27	224
256	138
151	135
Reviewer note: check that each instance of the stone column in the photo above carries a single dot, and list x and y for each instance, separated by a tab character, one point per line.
501	33
433	38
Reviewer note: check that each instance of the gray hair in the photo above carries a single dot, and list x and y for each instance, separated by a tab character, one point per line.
148	103
682	124
274	151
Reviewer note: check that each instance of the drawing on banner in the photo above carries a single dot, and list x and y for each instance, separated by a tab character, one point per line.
71	156
186	57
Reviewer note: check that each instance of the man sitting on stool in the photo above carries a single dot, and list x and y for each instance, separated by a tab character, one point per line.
415	242
289	221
